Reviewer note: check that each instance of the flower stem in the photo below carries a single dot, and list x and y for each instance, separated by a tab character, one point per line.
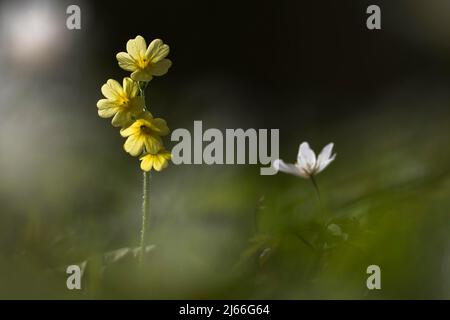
316	187
323	211
145	211
145	192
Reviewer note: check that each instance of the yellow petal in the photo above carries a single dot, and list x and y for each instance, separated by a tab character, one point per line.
146	115
147	163
121	118
136	105
112	89
136	47
130	87
152	143
141	75
107	113
106	104
164	165
131	130
157	51
126	62
161	126
157	163
160	68
167	155
134	145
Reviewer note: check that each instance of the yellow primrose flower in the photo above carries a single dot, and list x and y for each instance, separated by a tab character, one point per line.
157	161
143	62
121	103
146	132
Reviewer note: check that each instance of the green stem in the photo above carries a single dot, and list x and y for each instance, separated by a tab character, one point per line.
323	212
145	192
145	211
316	187
142	87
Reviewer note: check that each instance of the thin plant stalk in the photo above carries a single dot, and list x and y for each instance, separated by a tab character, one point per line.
316	187
323	211
145	194
145	211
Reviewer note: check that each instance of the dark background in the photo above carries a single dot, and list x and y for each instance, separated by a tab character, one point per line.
286	50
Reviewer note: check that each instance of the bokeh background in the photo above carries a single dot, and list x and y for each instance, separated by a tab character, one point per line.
69	194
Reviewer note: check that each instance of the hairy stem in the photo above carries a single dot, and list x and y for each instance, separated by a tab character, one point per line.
145	211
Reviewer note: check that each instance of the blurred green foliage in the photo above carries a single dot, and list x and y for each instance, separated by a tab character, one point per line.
227	232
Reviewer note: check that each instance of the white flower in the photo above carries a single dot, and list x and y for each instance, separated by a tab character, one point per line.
307	164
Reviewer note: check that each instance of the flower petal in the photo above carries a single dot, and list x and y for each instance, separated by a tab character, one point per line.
134	145
126	62
141	75
112	89
152	143
147	162
325	154
161	126
160	68
166	154
306	157
107	112
159	162
136	105
146	115
121	118
106	104
130	87
302	172
157	51
131	130
136	47
280	165
325	163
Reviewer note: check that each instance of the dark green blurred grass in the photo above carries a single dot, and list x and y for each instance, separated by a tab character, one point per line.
226	232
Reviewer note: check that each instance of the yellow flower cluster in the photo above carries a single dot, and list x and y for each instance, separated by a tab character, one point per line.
126	103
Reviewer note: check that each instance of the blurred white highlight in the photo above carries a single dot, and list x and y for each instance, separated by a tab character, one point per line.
30	31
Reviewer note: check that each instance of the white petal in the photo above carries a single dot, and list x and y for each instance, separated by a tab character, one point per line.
325	154
303	172
325	163
279	165
306	157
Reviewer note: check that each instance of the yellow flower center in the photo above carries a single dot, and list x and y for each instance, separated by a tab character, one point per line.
142	62
145	130
123	101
